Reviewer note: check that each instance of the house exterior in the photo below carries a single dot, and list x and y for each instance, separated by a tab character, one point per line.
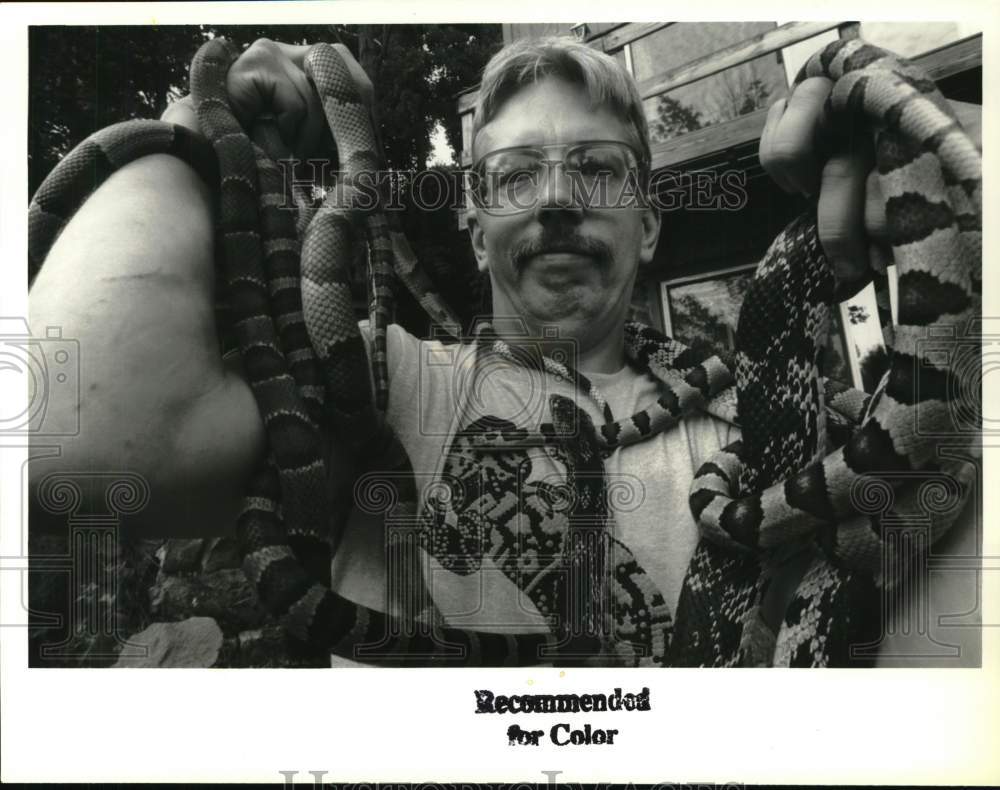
707	87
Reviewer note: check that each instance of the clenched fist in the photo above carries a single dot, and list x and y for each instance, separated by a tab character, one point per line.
267	83
798	151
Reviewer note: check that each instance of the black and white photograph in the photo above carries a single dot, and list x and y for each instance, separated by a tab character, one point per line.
485	366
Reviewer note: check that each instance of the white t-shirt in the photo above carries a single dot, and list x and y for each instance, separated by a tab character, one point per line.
436	389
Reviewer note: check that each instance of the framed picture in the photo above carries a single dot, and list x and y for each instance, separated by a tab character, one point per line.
703	310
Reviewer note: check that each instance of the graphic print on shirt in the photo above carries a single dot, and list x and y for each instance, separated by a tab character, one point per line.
535	503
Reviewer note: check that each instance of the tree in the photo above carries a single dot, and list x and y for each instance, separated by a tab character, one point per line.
674	118
85	78
755	97
738	91
697	326
729	94
417	71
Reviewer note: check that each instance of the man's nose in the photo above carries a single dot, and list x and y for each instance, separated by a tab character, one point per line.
557	194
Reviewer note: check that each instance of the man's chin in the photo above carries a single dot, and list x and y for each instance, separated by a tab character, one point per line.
574	316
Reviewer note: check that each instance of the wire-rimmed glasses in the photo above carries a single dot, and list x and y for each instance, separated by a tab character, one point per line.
601	174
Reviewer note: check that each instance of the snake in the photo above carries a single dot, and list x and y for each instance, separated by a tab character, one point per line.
286	281
779	488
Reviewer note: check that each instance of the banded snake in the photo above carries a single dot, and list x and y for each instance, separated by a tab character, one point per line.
305	357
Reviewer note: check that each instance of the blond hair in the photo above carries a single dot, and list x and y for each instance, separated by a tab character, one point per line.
527	61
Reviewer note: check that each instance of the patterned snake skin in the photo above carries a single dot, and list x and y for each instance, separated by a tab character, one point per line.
304	357
778	491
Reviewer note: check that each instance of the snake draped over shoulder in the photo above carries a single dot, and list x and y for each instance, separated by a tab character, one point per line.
785	497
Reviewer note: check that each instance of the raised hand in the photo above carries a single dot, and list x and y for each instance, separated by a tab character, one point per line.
798	151
267	84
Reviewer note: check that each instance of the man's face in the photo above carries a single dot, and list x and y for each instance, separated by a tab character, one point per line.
559	262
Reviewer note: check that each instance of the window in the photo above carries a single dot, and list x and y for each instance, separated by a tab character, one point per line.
914	38
739	90
683	42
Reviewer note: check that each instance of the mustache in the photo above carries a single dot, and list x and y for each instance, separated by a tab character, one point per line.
559	240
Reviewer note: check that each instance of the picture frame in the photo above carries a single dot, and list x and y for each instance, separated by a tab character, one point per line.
702	311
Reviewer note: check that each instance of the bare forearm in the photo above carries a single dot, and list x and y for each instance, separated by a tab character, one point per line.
131	278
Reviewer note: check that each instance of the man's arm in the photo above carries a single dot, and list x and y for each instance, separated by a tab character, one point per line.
132	279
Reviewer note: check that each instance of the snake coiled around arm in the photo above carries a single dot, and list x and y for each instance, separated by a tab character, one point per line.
307	364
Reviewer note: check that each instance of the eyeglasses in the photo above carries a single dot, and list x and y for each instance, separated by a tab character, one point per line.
601	173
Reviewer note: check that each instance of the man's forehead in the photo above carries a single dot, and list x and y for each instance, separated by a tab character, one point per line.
550	111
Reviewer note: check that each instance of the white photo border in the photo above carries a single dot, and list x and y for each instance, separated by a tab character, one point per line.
778	726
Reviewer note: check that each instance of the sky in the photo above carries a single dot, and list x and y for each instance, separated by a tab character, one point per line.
442	153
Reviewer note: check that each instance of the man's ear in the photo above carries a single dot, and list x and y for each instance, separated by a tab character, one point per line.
650	234
476	236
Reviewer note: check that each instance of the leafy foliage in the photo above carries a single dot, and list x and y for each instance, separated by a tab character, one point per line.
674	118
734	92
418	70
85	78
755	97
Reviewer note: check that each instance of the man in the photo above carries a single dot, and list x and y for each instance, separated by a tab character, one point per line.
178	414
